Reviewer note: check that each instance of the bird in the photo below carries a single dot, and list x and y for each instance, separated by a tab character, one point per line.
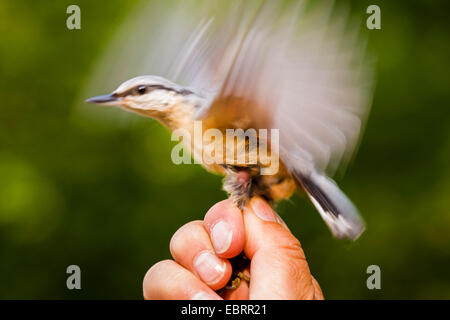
267	66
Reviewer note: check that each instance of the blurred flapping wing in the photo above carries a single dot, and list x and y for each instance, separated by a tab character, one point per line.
304	72
300	70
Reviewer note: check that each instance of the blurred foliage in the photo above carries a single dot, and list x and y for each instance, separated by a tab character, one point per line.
108	198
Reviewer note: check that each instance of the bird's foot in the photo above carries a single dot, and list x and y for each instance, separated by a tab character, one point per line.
239	186
240	266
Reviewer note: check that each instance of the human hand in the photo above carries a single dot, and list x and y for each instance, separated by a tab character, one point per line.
201	250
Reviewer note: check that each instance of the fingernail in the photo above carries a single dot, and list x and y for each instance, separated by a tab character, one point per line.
221	235
263	210
201	295
209	267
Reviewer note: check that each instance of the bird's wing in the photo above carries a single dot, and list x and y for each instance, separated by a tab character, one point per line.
304	70
301	70
207	56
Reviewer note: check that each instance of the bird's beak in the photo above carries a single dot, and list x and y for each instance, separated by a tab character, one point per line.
106	99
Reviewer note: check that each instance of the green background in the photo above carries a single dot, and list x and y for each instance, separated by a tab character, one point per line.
108	198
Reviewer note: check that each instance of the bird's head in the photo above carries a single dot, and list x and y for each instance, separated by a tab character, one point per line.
151	96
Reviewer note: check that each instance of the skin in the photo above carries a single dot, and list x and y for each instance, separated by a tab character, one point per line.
278	268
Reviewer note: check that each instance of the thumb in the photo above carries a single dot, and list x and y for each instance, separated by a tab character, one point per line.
278	265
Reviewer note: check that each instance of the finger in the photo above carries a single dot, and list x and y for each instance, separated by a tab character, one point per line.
226	228
191	247
167	280
278	266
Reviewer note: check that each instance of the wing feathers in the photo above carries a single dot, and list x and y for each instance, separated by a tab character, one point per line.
306	70
336	209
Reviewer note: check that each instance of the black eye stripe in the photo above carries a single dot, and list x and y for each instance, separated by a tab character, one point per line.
144	89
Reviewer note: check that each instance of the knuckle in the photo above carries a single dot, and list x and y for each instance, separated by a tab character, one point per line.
293	257
295	269
291	245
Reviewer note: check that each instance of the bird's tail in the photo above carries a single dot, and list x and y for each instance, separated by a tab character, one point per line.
333	205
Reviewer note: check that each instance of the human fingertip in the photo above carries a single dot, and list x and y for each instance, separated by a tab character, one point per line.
263	210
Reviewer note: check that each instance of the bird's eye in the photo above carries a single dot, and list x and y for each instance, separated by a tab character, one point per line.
141	89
